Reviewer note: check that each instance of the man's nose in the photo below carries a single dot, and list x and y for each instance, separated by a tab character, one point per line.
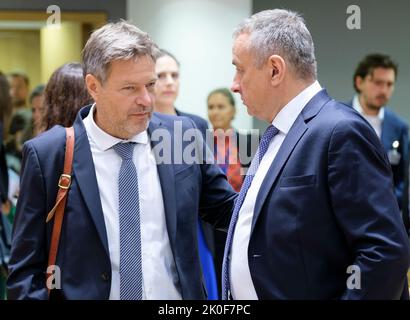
169	79
235	86
145	99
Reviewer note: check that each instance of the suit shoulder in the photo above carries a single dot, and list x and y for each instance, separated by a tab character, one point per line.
345	129
199	121
342	123
169	121
336	113
48	141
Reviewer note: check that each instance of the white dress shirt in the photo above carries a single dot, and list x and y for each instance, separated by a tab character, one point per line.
375	121
242	287
160	279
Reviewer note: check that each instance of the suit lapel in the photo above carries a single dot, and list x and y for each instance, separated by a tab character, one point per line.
292	138
84	172
167	180
294	135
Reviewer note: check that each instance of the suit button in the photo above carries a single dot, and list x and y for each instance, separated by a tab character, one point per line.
105	276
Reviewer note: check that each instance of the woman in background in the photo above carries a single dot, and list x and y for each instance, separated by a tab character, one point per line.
235	154
64	96
36	103
5	106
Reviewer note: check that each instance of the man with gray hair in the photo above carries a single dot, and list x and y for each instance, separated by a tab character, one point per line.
310	222
130	221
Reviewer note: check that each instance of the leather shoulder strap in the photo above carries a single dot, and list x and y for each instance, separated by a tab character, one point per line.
58	210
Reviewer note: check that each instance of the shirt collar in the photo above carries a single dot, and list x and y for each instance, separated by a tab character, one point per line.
358	108
105	141
287	116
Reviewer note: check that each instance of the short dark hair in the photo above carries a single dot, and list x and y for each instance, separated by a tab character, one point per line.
371	62
165	53
38	91
225	92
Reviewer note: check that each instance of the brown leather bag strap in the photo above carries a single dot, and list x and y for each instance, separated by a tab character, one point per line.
58	210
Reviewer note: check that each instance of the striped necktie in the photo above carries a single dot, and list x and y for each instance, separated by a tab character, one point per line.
130	229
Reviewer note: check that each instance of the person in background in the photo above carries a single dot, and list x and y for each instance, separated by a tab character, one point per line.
20	127
166	92
5	106
64	95
36	102
167	89
5	221
374	80
8	162
233	156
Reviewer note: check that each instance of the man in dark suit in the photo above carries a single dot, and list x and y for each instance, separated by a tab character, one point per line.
311	220
374	81
129	229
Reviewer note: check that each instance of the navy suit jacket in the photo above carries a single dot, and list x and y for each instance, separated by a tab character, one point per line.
83	255
327	203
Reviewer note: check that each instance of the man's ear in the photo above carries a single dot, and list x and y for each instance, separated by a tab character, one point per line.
93	86
277	69
359	82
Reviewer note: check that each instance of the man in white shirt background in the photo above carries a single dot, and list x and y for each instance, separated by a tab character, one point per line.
374	80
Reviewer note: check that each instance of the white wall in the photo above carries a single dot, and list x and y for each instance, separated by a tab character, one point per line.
199	34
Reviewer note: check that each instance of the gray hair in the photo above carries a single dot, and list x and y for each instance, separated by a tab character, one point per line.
115	41
281	32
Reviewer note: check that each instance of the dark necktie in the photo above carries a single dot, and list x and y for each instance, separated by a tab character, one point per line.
130	229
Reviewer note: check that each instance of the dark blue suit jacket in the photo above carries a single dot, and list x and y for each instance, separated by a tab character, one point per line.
327	203
83	255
